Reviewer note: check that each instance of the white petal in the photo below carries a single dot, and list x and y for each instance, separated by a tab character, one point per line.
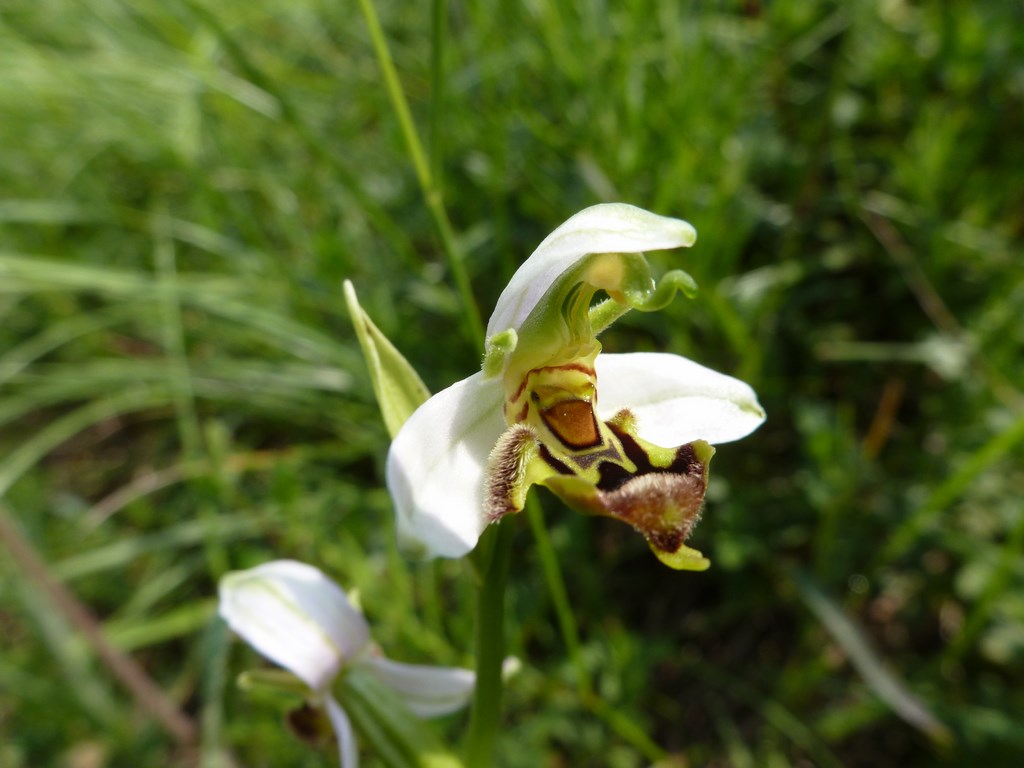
295	616
606	228
676	400
427	691
437	463
347	752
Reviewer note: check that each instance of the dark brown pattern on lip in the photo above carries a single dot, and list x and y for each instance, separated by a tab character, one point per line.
609	454
613	476
559	467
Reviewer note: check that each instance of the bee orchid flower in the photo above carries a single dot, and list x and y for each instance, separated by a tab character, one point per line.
298	618
628	436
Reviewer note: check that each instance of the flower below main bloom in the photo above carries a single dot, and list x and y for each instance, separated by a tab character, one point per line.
298	618
549	408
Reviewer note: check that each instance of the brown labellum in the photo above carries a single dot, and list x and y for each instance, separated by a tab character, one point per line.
573	422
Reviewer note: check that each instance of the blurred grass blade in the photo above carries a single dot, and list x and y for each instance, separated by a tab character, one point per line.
32	450
946	492
999	584
25	273
243	301
886	685
17	358
182	621
45	212
214	652
185	534
173	338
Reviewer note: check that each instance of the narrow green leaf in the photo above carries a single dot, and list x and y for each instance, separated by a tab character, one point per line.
955	484
180	622
885	684
399	389
188	533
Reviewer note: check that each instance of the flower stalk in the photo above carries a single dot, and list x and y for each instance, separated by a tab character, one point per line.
485	714
432	194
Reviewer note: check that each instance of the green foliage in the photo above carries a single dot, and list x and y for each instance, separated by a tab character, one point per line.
185	186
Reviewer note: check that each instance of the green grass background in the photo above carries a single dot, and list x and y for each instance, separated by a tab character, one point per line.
184	185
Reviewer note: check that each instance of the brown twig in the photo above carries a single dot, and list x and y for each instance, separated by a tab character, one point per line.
147	695
927	297
885	416
933	305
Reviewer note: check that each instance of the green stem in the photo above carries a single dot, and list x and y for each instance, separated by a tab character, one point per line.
618	722
559	595
431	191
494	552
438	21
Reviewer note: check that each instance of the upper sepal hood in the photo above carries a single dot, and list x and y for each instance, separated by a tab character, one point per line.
609	228
543	317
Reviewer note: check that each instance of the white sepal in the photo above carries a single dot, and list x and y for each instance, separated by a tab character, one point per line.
437	463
